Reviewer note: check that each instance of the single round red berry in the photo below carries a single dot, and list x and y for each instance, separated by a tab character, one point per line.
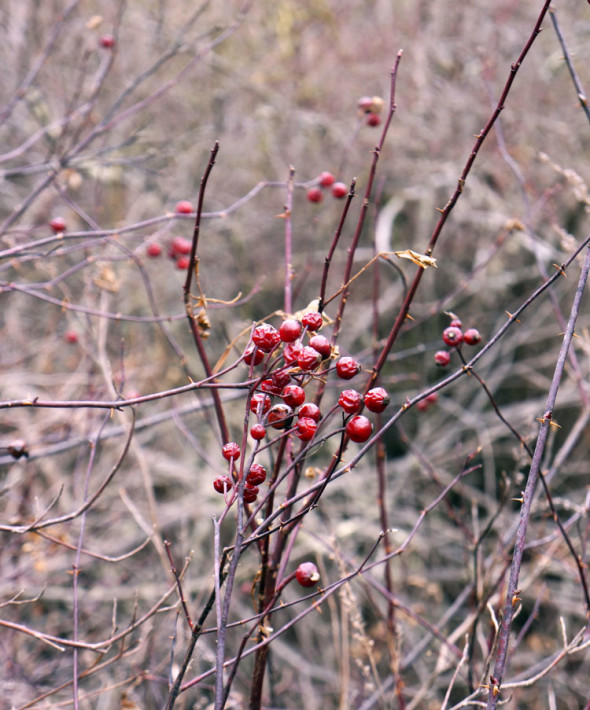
184	207
291	352
107	41
253	356
314	194
312	320
472	336
350	401
231	451
377	400
307	574
279	416
71	336
250	493
373	120
280	379
308	358
180	245
257	432
326	179
154	250
260	403
58	224
223	484
306	428
310	410
256	475
290	330
339	190
293	395
452	336
359	428
183	262
442	358
347	368
456	322
322	345
266	337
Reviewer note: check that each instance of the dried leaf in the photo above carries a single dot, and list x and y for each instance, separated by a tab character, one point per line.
419	259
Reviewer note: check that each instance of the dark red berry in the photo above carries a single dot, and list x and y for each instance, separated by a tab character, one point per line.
256	475
58	224
377	400
312	320
153	249
339	190
456	322
452	336
347	368
280	378
231	451
183	262
293	395
442	358
266	337
260	403
373	119
253	356
307	574
250	493
291	352
311	410
71	336
432	398
472	336
425	403
180	245
322	345
270	387
314	194
107	41
257	432
359	428
290	330
280	416
184	207
306	428
350	401
326	179
223	484
309	358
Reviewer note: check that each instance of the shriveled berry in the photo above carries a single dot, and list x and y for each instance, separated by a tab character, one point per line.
250	493
279	416
306	428
223	484
291	352
311	410
442	358
322	345
231	451
312	320
347	368
290	330
270	387
452	336
339	190
257	432
260	403
350	401
314	194
153	250
307	574
359	428
253	356
256	475
58	224
472	336
184	207
180	245
377	400
293	395
266	337
326	179
309	358
280	378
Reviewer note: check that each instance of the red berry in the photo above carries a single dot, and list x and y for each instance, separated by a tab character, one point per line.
280	416
253	355
308	358
291	352
442	358
432	398
455	322
153	249
425	403
280	379
107	41
452	336
377	400
257	432
339	190
326	179
266	337
306	428
312	320
260	403
310	410
347	368
183	262
293	395
314	194
373	119
350	401
231	451
223	484
180	245
270	387
250	493
58	224
359	428
256	475
290	330
322	345
71	336
307	574
472	336
184	207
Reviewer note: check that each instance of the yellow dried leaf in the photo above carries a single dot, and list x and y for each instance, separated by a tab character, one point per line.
419	259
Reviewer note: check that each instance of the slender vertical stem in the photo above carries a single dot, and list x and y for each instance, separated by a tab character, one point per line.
289	243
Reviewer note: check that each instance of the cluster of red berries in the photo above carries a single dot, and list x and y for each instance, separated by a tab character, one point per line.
254	477
370	108
179	248
453	337
327	180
